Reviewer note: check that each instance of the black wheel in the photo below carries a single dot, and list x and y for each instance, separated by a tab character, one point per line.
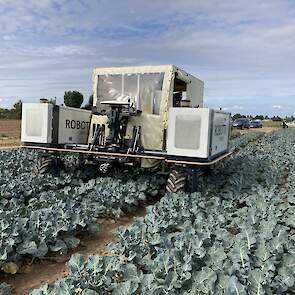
176	181
185	180
44	165
47	164
105	168
193	176
89	171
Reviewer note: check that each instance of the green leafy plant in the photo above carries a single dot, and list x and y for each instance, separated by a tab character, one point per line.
235	235
43	214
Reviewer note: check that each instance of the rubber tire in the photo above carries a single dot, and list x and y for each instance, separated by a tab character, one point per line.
193	179
105	168
176	181
44	165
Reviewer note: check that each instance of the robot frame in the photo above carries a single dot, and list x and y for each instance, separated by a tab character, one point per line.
150	116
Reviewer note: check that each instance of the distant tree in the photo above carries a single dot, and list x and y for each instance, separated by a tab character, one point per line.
73	99
237	116
4	113
266	117
89	105
289	119
259	117
276	119
16	111
52	100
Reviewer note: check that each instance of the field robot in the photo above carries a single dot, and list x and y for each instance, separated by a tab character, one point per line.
147	116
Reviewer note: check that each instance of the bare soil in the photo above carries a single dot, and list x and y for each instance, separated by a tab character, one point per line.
263	129
10	132
49	269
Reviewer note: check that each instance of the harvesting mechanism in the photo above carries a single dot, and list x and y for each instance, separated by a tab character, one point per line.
148	116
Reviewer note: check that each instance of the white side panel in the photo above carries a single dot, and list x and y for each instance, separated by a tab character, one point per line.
37	123
73	125
188	132
220	133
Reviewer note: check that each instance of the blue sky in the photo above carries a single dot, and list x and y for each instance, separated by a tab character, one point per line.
244	51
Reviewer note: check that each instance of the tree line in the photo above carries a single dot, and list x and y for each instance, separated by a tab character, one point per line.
75	99
262	117
14	113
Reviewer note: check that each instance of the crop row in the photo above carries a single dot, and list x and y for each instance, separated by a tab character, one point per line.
234	236
43	214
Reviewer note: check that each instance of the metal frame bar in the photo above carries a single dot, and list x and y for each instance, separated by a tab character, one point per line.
154	156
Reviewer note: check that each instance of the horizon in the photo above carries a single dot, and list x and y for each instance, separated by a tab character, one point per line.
244	52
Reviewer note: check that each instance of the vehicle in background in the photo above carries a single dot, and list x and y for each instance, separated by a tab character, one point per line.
241	123
291	124
256	124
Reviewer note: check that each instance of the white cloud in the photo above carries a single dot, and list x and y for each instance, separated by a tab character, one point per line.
8	37
277	106
237	107
244	51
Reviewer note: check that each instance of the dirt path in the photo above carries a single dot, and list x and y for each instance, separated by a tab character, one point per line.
53	268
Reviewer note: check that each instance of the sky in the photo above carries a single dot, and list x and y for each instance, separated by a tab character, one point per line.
244	51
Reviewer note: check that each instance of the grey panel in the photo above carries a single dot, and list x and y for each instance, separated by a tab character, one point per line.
220	133
73	125
187	131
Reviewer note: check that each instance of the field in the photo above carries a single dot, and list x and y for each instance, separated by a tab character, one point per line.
235	235
9	132
273	124
245	131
